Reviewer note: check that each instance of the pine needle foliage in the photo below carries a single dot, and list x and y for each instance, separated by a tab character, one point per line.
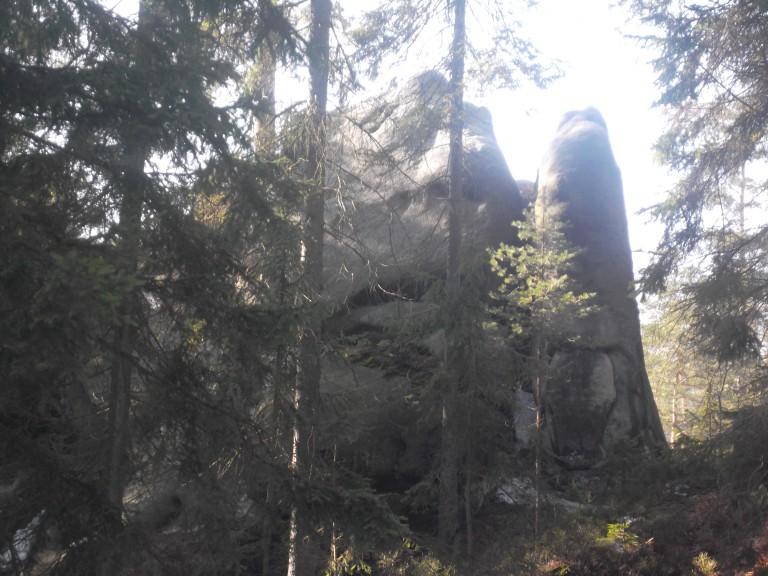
138	245
536	291
709	61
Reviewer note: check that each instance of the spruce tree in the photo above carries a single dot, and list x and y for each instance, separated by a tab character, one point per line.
126	297
448	508
540	302
706	59
313	230
384	33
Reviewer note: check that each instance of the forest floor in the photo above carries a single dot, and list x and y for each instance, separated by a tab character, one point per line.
679	514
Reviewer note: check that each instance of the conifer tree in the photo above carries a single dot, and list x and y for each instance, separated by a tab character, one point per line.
697	393
706	57
389	29
125	294
540	301
448	508
313	230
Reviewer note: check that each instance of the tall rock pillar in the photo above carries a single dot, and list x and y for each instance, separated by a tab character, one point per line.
597	394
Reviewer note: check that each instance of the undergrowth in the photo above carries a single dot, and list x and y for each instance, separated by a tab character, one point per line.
673	514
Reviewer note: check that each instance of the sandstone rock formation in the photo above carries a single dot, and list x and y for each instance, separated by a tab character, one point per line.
388	158
597	394
387	236
387	240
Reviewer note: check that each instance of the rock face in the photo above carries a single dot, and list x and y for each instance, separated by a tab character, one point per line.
387	235
389	160
386	241
597	394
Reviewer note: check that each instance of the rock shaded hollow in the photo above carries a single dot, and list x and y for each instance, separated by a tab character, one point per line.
597	393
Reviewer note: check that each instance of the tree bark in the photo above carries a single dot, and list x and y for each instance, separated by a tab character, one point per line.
135	155
131	183
266	145
539	377
448	511
313	224
266	135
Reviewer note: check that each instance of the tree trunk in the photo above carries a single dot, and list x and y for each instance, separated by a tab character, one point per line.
448	511
468	500
266	145
308	384
131	184
282	381
539	377
676	387
266	135
136	152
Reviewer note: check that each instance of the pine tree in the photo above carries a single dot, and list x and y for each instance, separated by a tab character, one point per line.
126	297
540	302
707	59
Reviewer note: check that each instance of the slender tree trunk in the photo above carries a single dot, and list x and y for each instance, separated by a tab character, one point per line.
468	500
673	423
456	135
684	422
313	223
136	152
266	144
539	375
448	511
266	136
131	183
676	387
119	408
282	382
742	197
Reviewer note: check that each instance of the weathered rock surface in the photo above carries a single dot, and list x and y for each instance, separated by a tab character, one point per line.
387	240
597	394
388	158
387	235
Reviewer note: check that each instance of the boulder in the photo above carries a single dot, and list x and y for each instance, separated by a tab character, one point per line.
388	159
387	238
597	395
386	242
